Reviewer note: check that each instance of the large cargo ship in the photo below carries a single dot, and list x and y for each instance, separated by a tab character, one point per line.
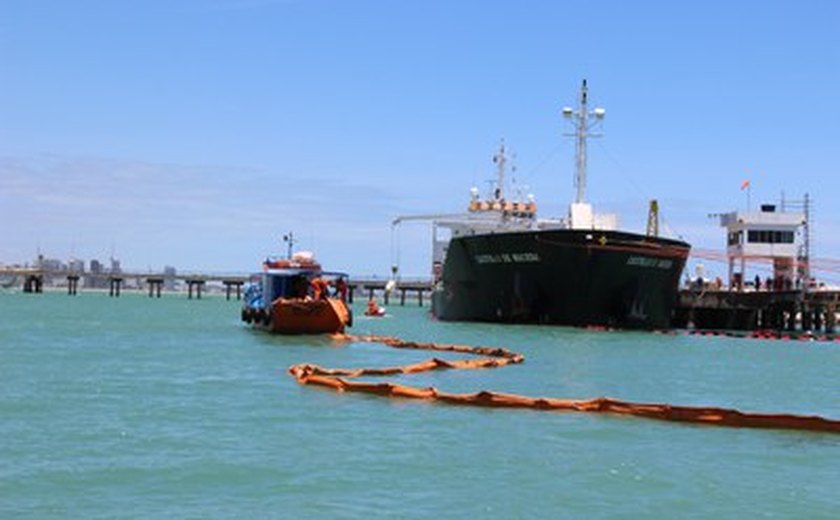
498	262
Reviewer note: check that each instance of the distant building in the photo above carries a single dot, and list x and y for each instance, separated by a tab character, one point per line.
76	266
169	274
95	278
52	264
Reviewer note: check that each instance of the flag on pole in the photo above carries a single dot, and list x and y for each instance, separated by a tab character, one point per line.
745	184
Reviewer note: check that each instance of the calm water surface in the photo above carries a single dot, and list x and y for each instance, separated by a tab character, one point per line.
131	407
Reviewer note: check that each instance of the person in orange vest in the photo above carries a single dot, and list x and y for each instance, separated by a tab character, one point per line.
372	308
320	289
341	288
299	287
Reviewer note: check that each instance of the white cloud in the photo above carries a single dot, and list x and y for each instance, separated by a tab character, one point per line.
200	212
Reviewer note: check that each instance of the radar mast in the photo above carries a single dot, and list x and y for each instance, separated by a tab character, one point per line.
584	122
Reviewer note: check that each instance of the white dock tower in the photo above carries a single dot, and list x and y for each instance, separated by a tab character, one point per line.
764	235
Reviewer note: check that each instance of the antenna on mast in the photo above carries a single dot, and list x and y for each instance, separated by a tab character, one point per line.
584	121
500	159
290	240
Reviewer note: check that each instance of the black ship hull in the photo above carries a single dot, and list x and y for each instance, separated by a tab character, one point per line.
561	277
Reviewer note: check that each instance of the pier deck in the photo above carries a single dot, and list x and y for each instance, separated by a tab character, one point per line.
721	309
34	280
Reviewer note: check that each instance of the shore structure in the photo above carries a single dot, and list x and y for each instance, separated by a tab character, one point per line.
194	283
789	300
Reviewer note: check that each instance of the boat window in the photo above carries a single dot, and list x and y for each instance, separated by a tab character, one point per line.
279	286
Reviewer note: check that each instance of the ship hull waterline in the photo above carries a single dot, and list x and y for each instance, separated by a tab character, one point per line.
561	277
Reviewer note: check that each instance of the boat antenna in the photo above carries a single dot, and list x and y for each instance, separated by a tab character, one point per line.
500	159
584	121
289	239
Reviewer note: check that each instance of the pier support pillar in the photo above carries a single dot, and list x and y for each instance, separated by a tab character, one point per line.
72	284
33	283
114	286
386	294
155	285
818	318
420	297
402	297
807	318
228	285
199	284
830	319
791	317
370	293
350	295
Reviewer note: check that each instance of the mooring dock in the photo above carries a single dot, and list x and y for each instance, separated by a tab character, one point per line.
812	310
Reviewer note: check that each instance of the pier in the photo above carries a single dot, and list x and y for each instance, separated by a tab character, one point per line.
374	288
812	310
34	280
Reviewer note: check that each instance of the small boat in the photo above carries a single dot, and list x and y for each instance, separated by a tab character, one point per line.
295	296
373	309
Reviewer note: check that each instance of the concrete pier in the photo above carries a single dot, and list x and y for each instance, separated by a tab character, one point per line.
233	283
72	284
33	283
374	287
114	285
198	284
155	286
35	279
785	310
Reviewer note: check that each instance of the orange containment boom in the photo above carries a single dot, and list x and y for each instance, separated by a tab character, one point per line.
338	380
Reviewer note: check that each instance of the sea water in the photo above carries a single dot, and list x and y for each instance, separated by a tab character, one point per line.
136	407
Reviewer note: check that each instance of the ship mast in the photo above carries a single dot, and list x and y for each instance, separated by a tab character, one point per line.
500	160
582	119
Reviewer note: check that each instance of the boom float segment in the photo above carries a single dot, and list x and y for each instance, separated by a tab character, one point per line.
338	379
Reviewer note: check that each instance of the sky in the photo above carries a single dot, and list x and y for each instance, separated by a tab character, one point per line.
197	133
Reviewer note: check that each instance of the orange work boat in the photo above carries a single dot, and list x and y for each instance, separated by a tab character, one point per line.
295	296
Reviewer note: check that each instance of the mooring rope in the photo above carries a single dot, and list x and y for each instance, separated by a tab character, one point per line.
338	379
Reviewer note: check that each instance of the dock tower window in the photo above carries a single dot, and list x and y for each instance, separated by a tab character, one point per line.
770	237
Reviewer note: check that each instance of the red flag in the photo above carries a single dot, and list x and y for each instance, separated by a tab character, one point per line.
745	184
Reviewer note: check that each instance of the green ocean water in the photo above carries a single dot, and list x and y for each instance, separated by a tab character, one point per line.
133	407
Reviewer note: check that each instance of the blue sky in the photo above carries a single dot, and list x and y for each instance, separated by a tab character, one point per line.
197	133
